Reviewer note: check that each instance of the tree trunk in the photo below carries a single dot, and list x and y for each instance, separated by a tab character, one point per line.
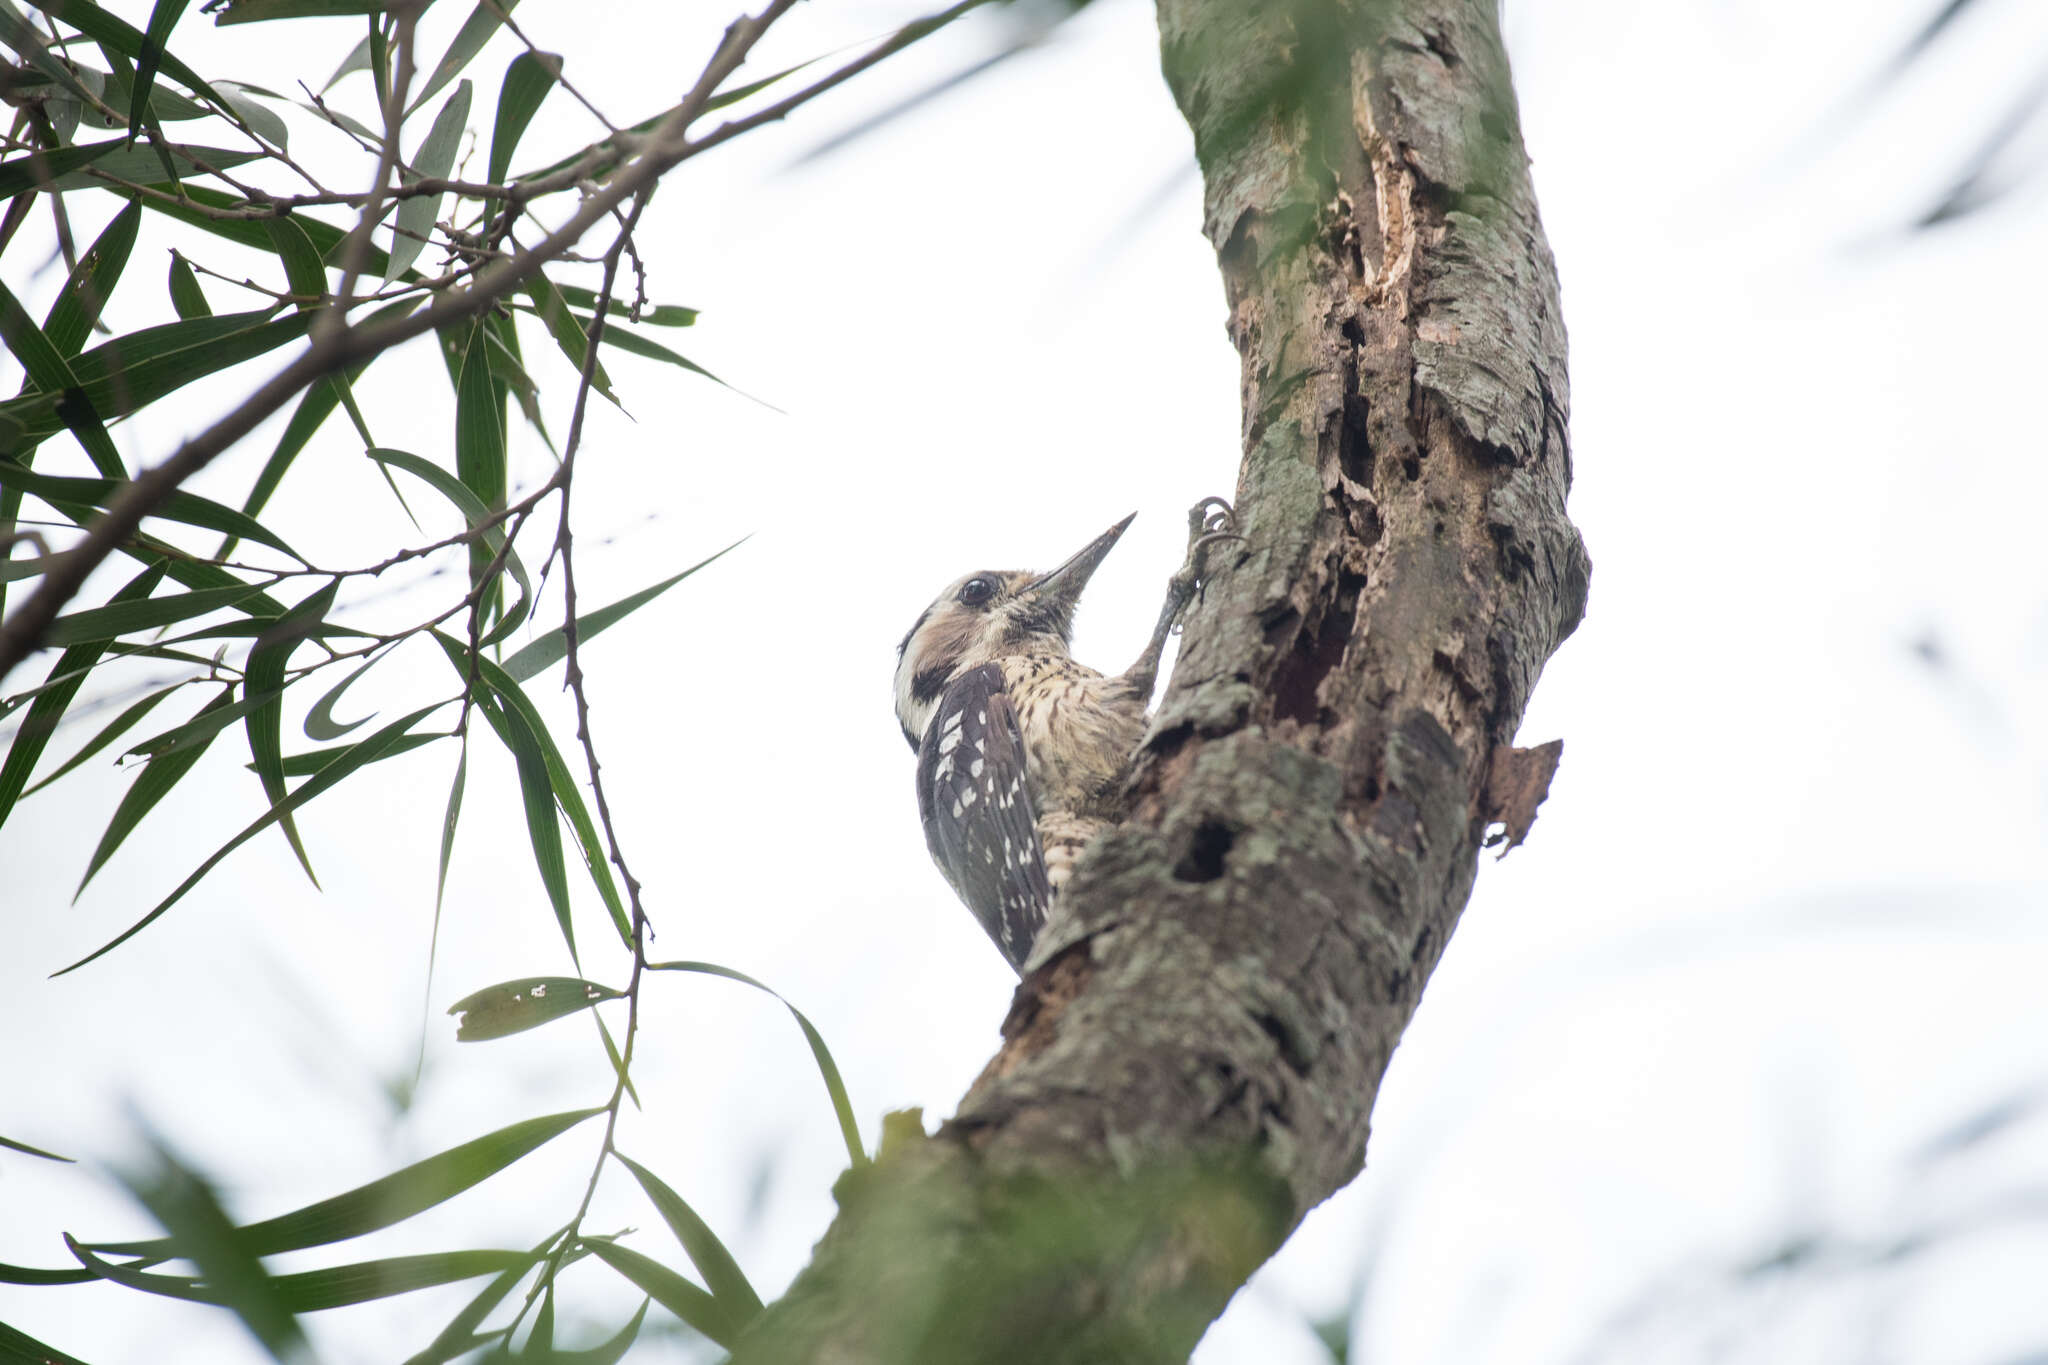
1190	1065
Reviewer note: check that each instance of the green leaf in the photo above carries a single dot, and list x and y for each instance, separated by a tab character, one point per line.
264	679
475	514
187	508
257	118
48	708
18	33
634	344
199	730
567	330
387	1200
668	1289
27	1150
313	760
252	233
163	17
515	1006
566	791
665	315
528	79
186	1205
18	1348
116	34
479	427
131	372
117	727
50	372
122	617
151	785
433	161
186	296
720	1271
456	1338
262	11
449	819
313	1291
552	647
476	30
822	1055
21	1274
358	59
303	269
536	795
611	1050
320	722
98	164
85	294
368	751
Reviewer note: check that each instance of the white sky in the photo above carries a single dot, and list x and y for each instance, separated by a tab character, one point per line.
1779	924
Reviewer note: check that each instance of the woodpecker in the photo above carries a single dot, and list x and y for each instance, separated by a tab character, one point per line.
1021	751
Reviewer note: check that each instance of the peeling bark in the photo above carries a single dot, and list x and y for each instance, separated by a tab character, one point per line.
1191	1062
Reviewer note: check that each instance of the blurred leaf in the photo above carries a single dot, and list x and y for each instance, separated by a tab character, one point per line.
567	330
476	30
186	296
433	161
457	1337
115	728
82	167
264	679
606	1353
204	1234
822	1055
48	708
720	1271
516	1006
386	1201
163	17
450	817
358	59
549	649
528	79
313	760
368	751
562	782
151	786
312	1291
18	1348
27	1150
668	1289
48	370
187	508
262	11
611	1050
18	33
119	618
261	120
22	1274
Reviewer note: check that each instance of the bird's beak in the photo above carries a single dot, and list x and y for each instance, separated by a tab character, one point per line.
1058	592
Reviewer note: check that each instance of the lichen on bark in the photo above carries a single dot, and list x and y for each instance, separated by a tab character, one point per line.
1191	1062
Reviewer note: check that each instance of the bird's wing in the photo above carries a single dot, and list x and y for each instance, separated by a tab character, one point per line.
978	817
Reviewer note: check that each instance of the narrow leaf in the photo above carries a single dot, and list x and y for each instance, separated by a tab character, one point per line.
27	1150
668	1289
313	760
516	1006
449	819
434	160
85	294
264	678
721	1272
320	722
368	751
664	315
114	33
528	79
119	618
98	165
476	30
187	508
19	1348
552	647
118	726
163	17
151	786
186	296
567	330
49	371
388	1200
303	269
456	1338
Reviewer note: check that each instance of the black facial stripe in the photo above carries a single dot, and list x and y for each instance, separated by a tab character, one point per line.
927	684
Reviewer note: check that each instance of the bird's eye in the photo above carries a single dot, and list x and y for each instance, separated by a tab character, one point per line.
976	591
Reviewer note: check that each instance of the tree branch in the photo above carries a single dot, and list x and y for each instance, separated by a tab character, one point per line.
1191	1061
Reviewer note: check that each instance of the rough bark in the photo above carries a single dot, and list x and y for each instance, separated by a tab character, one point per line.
1191	1062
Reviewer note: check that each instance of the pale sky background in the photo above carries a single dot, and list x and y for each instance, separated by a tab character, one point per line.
1779	927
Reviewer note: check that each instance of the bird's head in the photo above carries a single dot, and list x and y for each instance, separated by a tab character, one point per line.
990	615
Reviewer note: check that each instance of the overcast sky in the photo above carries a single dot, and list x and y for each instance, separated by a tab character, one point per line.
1779	926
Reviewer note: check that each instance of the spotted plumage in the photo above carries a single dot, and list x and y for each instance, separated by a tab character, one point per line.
1022	751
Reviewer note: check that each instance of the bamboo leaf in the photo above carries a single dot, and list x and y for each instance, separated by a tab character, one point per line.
313	760
822	1055
434	160
199	730
722	1274
668	1289
151	786
66	677
538	798
368	751
320	722
163	17
50	372
303	269
567	330
118	726
475	514
515	1006
664	315
120	618
85	294
528	79
457	1338
388	1200
313	1291
552	647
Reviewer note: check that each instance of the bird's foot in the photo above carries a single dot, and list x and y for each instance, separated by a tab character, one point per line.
1211	522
